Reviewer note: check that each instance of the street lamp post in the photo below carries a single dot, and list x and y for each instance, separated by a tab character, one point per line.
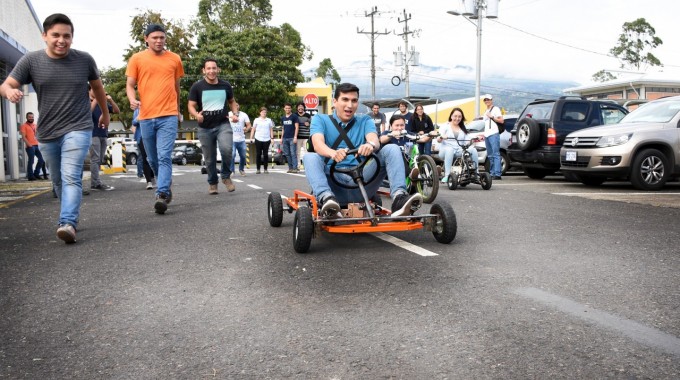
478	13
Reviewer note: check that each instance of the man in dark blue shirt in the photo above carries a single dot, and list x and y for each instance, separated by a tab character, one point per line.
98	145
291	127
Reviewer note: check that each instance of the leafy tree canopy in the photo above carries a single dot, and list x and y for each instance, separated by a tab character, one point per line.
635	44
327	71
603	76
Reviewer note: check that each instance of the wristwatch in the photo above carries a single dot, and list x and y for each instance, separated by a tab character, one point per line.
373	145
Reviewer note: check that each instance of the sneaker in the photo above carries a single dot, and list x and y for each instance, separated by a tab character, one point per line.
497	177
161	203
445	179
103	187
295	171
67	233
414	174
46	176
230	185
289	171
141	179
242	173
86	191
149	185
266	171
258	171
212	189
330	206
404	205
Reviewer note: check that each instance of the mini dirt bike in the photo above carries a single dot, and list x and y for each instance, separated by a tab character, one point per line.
362	217
463	170
427	182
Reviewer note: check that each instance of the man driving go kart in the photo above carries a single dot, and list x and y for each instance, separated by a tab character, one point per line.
332	135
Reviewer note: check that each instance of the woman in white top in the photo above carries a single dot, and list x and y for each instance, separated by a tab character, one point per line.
263	131
449	149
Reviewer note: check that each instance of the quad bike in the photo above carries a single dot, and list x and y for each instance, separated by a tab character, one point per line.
464	171
362	217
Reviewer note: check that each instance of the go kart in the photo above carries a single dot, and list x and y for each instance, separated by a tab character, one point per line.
363	217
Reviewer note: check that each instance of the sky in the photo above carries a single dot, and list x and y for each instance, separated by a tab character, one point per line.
556	40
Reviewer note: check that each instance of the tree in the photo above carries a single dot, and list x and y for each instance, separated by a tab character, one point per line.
327	71
635	45
603	76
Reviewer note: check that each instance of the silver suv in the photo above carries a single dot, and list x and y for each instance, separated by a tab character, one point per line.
644	147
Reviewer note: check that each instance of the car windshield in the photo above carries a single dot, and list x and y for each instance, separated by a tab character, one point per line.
654	112
180	148
538	110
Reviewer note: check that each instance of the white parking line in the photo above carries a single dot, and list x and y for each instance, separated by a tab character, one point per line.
255	187
638	332
650	194
405	245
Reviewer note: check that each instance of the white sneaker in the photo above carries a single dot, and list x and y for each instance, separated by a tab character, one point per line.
149	185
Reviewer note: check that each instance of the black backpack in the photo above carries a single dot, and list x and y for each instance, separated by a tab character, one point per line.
501	126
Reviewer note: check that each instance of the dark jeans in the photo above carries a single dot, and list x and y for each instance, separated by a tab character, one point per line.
262	153
146	168
33	152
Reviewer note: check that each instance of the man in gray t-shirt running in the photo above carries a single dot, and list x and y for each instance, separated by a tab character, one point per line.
60	77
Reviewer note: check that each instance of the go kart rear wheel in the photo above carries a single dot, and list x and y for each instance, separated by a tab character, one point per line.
428	179
275	209
446	226
303	229
485	180
452	181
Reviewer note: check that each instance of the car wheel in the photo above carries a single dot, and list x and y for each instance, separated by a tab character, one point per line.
446	226
428	181
534	173
132	159
650	170
528	134
505	163
184	161
303	229
275	209
485	180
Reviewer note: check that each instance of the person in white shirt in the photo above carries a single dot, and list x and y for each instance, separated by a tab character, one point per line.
263	132
240	128
492	137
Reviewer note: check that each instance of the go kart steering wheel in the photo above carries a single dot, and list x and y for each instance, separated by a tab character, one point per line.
356	172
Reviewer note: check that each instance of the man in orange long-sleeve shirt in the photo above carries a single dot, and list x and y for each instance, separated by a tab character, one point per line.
27	131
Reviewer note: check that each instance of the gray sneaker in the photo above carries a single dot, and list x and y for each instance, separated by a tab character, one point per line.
330	206
67	233
103	187
404	205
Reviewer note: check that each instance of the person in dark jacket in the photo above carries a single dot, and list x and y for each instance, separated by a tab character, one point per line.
421	124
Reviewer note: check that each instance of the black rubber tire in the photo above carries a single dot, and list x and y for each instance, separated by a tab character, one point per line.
650	170
505	163
204	170
275	209
535	173
446	226
590	180
303	229
132	159
452	181
528	134
485	180
428	182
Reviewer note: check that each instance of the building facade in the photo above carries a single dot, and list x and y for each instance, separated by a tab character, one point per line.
648	86
20	32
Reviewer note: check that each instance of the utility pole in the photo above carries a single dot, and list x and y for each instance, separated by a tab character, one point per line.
407	57
374	35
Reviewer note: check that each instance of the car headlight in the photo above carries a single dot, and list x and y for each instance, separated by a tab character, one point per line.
614	140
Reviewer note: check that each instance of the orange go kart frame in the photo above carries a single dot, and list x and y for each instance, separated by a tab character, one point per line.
363	217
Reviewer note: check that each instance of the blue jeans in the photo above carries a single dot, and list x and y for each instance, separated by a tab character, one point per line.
66	156
33	152
493	153
97	153
290	150
392	165
240	147
159	139
140	161
450	153
425	148
220	137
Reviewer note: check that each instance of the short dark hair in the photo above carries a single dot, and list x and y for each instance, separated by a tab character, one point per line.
375	104
345	88
287	104
396	117
210	59
403	102
29	113
298	104
54	19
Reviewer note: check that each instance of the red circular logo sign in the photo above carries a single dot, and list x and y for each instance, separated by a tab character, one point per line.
311	101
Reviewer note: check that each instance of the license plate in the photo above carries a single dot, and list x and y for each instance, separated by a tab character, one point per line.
571	155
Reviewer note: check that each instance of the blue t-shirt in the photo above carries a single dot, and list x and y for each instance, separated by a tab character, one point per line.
357	134
96	114
288	123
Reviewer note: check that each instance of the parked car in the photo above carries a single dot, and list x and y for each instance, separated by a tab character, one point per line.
186	153
544	124
476	129
276	154
644	147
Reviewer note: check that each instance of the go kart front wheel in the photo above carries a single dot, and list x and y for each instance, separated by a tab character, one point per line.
485	180
303	229
275	209
446	226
